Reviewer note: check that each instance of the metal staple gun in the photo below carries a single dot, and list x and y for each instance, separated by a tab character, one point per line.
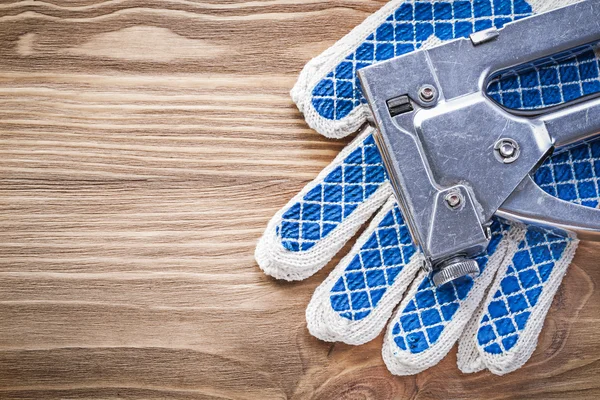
456	158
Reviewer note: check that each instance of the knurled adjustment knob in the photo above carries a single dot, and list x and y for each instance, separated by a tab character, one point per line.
455	268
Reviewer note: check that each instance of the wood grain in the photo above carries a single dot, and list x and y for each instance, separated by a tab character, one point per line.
144	145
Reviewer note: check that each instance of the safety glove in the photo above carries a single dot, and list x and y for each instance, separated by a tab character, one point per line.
496	316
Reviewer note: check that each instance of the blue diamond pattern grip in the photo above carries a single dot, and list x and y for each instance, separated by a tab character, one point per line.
572	175
374	268
330	202
405	30
425	316
548	82
507	314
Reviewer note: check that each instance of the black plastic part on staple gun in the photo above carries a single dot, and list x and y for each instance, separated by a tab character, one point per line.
399	105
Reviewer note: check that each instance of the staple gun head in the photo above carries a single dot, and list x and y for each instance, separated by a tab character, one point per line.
456	158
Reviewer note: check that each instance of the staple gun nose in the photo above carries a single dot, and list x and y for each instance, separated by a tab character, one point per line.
456	158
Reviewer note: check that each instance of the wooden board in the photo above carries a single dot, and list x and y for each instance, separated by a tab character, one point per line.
144	145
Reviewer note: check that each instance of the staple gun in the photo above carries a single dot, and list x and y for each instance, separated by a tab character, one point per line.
456	158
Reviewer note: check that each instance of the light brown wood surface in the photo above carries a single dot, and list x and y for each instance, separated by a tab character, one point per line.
144	145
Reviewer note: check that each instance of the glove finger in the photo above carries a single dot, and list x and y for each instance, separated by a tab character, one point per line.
468	359
357	299
506	328
327	90
305	234
430	319
526	285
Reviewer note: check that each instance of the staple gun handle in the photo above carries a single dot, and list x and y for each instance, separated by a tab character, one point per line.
536	39
531	205
567	124
574	123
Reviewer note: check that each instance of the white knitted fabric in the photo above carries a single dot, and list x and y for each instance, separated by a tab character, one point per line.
382	271
472	358
283	264
403	364
327	325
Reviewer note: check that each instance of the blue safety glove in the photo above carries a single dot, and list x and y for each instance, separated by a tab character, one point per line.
496	316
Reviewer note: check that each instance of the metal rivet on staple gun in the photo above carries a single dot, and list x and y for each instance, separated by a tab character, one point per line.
427	93
453	200
506	150
442	138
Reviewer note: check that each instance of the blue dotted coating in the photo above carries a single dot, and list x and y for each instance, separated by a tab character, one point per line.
374	268
326	205
424	318
405	30
508	312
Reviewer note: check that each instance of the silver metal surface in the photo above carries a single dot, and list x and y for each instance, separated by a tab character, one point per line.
437	147
507	150
428	93
484	36
455	268
453	199
530	204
